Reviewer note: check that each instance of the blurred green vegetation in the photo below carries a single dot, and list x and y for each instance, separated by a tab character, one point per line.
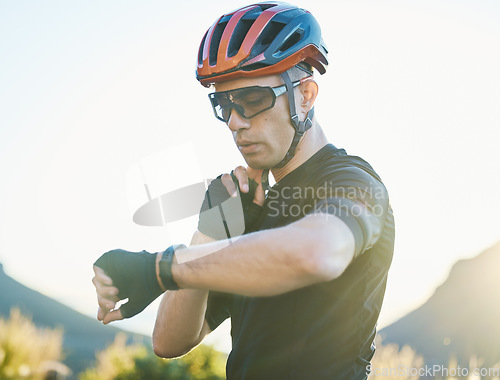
120	361
27	352
33	353
394	363
391	356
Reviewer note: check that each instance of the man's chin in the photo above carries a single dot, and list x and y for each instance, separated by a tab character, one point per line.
259	164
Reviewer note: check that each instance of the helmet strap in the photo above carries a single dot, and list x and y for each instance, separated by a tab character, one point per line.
300	126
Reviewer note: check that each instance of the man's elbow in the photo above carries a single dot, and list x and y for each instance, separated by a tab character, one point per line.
322	268
165	347
167	352
330	255
170	347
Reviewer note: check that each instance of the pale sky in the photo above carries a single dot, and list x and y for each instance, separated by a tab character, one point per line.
90	90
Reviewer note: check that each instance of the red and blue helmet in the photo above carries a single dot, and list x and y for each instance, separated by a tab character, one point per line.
258	40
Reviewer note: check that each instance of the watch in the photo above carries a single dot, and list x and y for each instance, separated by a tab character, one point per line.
165	265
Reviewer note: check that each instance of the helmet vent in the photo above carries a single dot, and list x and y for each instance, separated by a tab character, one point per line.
215	43
268	35
254	66
200	51
266	6
291	41
239	35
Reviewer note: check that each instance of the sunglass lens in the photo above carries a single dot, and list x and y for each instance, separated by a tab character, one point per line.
248	102
253	100
221	105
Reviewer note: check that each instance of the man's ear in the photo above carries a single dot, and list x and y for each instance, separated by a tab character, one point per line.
309	91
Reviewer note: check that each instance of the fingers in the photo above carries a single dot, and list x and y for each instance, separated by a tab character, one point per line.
101	276
107	295
114	315
103	285
110	292
242	176
255	174
107	303
101	313
260	196
107	316
228	182
105	306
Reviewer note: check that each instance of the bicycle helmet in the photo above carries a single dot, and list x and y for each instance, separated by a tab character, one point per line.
263	39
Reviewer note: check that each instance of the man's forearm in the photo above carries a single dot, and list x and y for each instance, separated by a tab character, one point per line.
180	321
269	262
265	263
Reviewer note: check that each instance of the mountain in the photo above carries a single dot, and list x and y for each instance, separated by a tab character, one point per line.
461	319
83	336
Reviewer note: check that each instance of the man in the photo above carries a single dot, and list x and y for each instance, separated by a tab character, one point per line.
304	284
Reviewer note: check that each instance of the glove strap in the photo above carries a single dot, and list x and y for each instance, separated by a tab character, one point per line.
165	268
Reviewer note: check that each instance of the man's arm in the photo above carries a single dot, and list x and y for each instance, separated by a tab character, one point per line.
317	248
180	324
314	249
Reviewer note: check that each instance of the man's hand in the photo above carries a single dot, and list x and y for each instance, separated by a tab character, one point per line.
232	204
250	184
137	276
106	297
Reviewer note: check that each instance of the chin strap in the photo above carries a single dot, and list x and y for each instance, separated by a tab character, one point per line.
265	181
300	126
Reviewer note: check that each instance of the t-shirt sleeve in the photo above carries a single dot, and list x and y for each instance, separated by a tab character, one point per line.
217	309
360	200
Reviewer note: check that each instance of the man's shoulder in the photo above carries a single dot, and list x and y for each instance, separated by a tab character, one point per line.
331	160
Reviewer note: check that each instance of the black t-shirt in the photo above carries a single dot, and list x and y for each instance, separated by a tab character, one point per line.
326	330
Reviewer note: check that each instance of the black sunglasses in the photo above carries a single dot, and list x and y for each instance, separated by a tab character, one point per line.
247	101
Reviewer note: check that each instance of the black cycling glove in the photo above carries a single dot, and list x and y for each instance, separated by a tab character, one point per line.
222	216
135	276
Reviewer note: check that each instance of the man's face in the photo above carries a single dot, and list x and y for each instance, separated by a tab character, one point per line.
264	139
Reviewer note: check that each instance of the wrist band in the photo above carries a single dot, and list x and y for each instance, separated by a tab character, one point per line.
157	270
165	265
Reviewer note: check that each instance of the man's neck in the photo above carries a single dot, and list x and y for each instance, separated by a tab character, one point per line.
313	140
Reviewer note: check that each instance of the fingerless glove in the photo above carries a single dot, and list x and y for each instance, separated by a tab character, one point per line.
222	216
135	276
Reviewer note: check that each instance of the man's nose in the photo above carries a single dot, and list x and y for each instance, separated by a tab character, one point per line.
237	122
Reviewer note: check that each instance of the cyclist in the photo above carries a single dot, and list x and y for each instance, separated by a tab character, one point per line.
302	273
